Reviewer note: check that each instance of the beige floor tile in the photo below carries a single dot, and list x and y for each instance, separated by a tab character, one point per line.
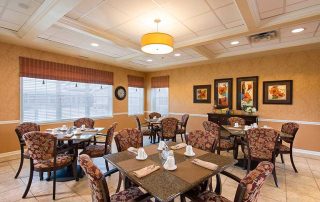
15	195
295	197
303	190
266	199
10	185
295	178
273	193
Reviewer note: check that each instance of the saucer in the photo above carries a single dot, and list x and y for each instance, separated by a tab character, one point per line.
141	159
75	133
193	154
173	168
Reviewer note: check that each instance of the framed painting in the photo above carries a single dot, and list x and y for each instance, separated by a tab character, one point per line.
247	92
277	92
202	94
223	93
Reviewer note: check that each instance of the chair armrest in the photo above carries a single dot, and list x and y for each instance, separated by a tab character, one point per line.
110	172
235	178
144	197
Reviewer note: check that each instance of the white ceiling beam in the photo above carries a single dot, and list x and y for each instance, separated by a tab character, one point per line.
247	14
46	15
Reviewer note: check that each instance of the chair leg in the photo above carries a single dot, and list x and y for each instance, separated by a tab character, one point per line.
30	180
54	184
182	198
275	176
41	175
107	165
282	160
74	170
291	159
182	137
248	165
20	166
218	189
119	183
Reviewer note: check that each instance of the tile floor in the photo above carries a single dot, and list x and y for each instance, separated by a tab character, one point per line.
302	186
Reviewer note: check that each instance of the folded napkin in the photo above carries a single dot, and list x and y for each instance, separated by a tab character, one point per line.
68	135
133	150
178	146
145	171
205	164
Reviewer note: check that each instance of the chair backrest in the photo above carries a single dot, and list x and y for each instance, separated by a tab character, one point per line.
138	122
26	128
290	128
128	137
154	114
41	146
204	140
169	127
184	120
97	182
262	141
233	120
110	133
89	123
250	186
210	126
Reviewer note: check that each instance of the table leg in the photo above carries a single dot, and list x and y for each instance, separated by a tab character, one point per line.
236	148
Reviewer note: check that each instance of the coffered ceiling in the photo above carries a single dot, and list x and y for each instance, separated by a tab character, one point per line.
109	31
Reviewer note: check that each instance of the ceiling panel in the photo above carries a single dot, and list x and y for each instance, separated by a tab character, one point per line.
308	28
268	5
229	13
133	8
214	4
83	7
242	41
203	22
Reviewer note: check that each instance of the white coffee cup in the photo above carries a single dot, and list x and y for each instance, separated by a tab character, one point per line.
255	125
141	153
265	126
170	163
54	131
189	150
236	125
64	127
78	131
161	145
83	127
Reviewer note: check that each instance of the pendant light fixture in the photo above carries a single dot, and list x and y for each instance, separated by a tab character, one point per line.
157	42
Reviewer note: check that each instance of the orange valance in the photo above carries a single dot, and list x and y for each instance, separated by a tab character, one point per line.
160	82
135	81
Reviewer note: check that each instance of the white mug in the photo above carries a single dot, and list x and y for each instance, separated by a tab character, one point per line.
64	126
78	130
255	125
189	150
141	153
236	124
83	127
55	131
161	145
170	163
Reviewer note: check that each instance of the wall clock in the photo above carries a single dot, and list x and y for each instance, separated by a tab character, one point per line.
120	93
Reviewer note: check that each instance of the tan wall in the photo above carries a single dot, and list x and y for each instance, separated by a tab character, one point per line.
301	67
10	90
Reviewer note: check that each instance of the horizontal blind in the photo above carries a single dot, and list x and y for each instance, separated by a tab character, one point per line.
135	101
160	100
160	82
135	81
45	100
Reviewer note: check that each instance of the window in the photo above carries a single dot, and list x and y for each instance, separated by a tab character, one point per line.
135	101
54	100
160	100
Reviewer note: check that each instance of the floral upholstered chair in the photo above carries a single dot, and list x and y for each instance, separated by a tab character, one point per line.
89	123
145	131
260	145
168	128
183	127
99	187
222	144
20	131
204	140
233	120
128	137
99	149
44	158
248	188
290	129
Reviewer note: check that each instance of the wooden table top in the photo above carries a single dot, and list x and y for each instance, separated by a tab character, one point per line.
85	135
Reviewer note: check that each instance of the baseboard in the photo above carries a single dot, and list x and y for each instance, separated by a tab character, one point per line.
9	155
309	152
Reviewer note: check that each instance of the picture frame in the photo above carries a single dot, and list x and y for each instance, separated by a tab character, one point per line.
278	92
247	92
202	94
223	93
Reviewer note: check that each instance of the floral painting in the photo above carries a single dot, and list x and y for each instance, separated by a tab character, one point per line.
223	93
202	94
277	92
247	92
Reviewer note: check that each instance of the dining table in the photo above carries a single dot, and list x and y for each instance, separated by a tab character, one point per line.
73	140
165	185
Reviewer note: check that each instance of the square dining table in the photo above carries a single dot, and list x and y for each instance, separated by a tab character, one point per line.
166	185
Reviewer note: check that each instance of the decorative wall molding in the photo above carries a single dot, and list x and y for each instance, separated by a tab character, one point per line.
309	152
296	121
120	113
9	122
10	154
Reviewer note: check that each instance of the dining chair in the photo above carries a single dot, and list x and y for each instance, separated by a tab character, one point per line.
182	129
154	114
260	145
239	120
20	131
99	186
89	123
145	131
248	189
42	149
168	128
101	148
290	129
204	140
125	138
222	144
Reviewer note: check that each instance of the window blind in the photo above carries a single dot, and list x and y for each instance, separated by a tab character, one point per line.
135	101
160	100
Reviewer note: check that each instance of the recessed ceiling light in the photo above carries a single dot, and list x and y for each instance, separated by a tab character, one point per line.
94	44
177	54
234	42
297	30
149	60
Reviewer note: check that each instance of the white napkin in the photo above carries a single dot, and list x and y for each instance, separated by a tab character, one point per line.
68	135
145	171
91	130
133	150
205	164
178	146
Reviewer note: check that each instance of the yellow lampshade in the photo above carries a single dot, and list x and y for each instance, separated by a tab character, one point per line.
157	43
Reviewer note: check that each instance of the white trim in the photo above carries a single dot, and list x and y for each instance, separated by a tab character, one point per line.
8	154
120	113
9	122
194	115
284	121
309	152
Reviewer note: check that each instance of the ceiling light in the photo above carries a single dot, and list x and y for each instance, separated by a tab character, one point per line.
297	30
157	42
149	60
94	44
177	54
235	42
